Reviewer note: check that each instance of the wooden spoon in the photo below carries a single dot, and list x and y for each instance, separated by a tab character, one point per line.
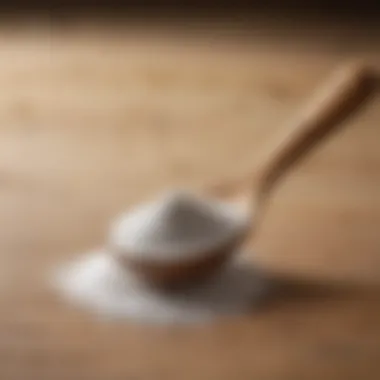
339	98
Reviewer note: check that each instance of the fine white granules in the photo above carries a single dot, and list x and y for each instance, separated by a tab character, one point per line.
177	226
97	283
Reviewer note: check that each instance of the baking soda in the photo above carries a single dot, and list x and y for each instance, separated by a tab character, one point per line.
177	226
96	282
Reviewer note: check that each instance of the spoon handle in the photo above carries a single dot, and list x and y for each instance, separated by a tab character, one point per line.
334	102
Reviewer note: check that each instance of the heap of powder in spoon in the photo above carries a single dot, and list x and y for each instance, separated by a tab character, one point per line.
178	225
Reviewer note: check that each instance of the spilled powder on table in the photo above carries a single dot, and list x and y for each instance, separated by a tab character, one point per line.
97	283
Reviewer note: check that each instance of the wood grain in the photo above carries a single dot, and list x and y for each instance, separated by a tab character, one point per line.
94	119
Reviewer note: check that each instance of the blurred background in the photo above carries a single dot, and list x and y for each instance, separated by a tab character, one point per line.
104	105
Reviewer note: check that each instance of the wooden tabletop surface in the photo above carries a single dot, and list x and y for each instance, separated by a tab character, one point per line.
96	118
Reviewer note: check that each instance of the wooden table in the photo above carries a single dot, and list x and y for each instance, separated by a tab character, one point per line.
96	118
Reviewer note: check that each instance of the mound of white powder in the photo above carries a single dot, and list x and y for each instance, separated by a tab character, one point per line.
97	283
177	225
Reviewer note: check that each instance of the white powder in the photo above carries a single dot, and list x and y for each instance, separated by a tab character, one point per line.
99	284
177	225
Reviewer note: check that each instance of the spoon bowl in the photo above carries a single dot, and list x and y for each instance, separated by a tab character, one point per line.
177	273
181	263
